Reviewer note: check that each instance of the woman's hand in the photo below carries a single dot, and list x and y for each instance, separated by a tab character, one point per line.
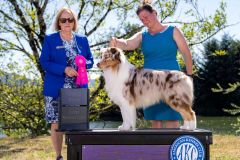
113	42
70	72
127	44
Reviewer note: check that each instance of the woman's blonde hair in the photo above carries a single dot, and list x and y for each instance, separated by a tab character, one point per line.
56	22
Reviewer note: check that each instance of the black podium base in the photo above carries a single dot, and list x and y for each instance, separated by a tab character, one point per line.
142	144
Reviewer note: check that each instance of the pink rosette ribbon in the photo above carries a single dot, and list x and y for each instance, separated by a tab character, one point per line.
82	78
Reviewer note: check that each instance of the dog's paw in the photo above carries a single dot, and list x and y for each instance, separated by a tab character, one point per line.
188	127
192	125
123	128
184	127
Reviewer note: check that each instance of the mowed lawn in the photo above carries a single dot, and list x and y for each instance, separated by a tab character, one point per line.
226	144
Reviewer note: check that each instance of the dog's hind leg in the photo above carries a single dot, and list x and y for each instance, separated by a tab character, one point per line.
186	112
189	118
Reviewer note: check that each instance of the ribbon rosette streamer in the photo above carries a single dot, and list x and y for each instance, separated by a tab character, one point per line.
82	78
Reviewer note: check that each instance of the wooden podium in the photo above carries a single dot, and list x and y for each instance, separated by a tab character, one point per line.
142	144
73	109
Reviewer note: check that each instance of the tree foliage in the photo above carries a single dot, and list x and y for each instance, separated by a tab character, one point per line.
21	106
26	22
219	69
233	87
235	110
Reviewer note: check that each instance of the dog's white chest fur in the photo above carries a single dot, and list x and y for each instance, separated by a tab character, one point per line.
114	83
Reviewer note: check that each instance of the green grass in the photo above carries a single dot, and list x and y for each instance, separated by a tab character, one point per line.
219	125
39	148
226	144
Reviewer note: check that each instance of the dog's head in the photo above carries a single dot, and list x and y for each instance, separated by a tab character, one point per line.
110	58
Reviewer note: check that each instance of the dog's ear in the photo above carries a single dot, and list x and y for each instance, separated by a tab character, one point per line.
116	53
113	50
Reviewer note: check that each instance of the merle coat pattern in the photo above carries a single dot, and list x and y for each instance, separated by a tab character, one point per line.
131	88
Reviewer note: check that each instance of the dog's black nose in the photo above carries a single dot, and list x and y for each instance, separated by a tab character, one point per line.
98	64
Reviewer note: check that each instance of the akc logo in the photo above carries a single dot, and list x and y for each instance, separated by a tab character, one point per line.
187	148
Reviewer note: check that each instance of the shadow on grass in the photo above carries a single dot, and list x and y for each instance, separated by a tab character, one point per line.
10	152
8	148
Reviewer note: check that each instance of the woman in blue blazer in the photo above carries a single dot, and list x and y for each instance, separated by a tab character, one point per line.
58	61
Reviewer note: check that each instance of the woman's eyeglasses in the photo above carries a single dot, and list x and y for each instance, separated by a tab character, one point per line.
64	20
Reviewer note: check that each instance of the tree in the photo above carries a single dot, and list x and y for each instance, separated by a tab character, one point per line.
233	87
21	105
23	25
218	69
236	108
27	22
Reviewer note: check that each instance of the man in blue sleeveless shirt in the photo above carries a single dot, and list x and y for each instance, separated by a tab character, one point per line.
159	44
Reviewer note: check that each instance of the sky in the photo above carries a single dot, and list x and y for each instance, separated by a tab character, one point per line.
233	14
208	7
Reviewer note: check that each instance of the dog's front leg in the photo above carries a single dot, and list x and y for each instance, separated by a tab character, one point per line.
125	126
132	117
129	117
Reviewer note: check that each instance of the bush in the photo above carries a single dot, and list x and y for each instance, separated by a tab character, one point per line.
21	106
